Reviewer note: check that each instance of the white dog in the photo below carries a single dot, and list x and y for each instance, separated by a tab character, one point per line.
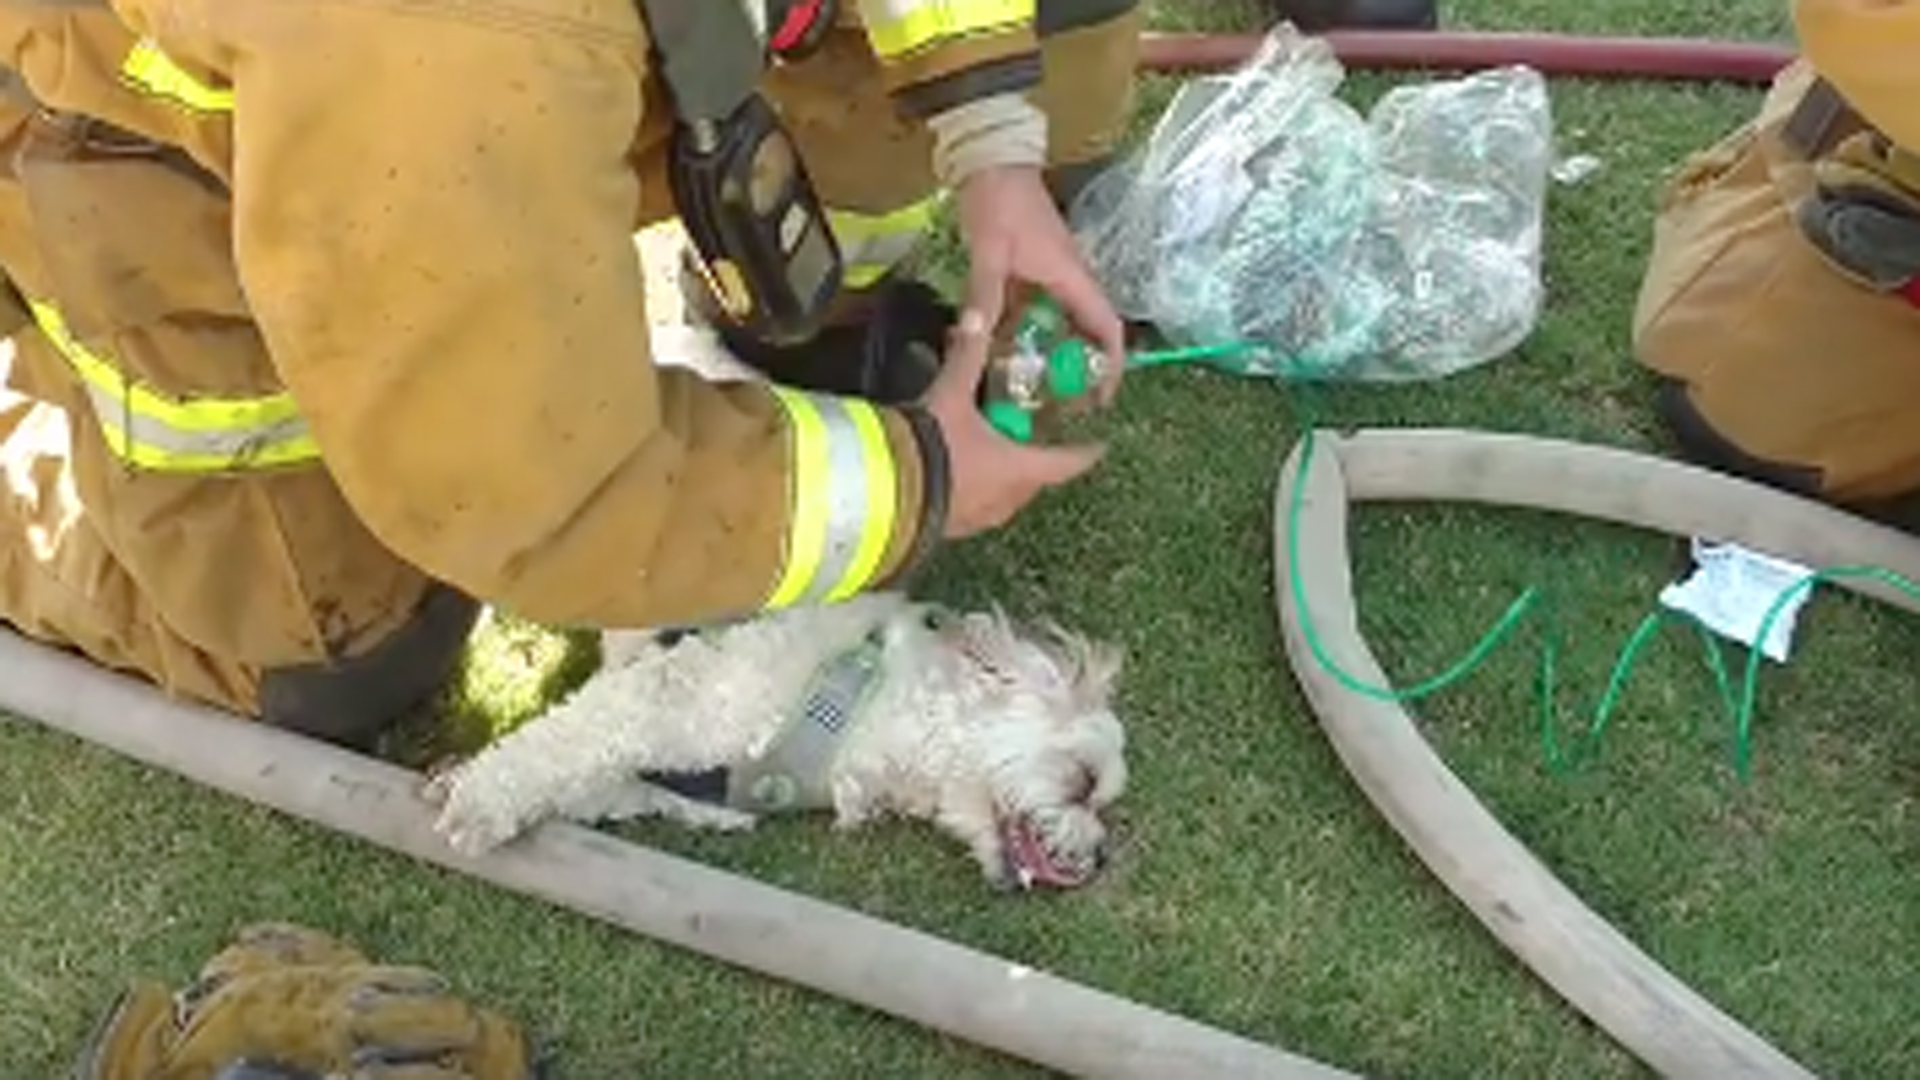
880	705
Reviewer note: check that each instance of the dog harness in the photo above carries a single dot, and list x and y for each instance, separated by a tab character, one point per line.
791	774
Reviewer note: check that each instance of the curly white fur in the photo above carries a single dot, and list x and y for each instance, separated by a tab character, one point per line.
971	726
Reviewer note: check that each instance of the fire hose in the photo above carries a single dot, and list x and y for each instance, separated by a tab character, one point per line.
1562	55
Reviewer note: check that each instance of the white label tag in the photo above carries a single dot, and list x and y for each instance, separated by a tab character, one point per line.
1731	590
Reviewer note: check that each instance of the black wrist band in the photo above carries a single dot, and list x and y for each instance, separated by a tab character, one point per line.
1020	72
935	481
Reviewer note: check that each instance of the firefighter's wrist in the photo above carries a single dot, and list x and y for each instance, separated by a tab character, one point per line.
997	131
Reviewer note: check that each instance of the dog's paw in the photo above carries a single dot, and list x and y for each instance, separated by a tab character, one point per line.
474	826
475	835
441	778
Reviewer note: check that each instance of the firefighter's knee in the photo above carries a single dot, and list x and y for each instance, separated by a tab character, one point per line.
62	584
1698	440
1775	365
353	701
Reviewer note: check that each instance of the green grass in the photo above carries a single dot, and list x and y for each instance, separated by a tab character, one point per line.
1255	890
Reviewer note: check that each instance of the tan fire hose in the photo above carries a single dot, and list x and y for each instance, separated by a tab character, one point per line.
996	1003
1588	962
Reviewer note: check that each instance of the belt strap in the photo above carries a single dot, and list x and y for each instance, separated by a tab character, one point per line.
1840	222
1820	120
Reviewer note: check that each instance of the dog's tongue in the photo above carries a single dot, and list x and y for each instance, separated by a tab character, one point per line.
1028	860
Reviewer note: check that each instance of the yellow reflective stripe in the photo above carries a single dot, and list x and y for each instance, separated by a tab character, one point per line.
872	244
902	27
844	498
882	487
196	414
180	434
807	524
155	73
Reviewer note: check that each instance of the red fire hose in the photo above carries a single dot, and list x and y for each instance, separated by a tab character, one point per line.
1550	54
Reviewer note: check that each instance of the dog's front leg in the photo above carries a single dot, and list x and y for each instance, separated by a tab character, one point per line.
573	753
637	798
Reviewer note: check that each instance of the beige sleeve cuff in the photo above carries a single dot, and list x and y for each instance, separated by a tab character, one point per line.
994	131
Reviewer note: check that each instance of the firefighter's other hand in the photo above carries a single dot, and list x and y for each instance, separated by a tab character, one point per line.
1015	236
991	477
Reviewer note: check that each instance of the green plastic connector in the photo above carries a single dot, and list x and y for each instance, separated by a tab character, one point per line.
1069	369
1011	420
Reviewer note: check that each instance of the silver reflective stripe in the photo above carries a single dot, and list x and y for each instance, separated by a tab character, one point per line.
868	258
844	495
147	440
153	431
872	244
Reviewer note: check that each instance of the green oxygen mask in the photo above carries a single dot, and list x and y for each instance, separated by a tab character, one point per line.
1049	366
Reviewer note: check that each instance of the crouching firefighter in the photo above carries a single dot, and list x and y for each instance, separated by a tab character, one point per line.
328	327
1781	303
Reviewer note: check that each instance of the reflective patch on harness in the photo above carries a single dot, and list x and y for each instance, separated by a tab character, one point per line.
795	770
873	244
167	434
843	500
156	74
904	27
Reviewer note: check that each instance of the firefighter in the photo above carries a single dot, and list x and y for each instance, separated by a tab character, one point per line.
1780	307
328	328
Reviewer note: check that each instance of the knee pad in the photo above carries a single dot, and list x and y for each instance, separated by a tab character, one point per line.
1780	368
352	702
1698	442
1701	444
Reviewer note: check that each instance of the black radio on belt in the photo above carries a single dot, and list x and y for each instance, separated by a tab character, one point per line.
744	195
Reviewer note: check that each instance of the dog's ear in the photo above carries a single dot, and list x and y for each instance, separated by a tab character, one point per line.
1088	668
1076	666
1100	670
990	640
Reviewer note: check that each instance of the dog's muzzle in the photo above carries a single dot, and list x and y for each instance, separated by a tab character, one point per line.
1030	864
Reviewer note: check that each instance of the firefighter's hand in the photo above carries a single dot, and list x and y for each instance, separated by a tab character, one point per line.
1016	237
991	477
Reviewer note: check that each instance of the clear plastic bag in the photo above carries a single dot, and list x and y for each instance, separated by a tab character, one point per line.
1395	247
